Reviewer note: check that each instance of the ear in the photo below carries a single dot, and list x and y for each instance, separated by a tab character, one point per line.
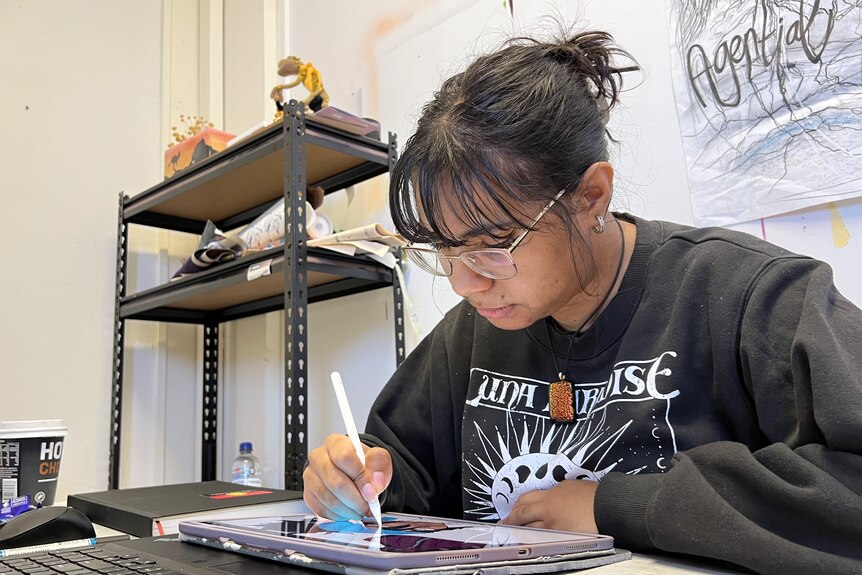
595	190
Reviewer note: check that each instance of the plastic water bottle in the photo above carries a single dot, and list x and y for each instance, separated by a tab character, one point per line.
247	469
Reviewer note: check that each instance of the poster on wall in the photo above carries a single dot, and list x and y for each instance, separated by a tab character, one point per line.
769	97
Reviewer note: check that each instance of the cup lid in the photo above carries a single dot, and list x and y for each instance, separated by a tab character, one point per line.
32	428
30	424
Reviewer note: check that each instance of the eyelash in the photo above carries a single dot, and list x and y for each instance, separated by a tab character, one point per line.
503	241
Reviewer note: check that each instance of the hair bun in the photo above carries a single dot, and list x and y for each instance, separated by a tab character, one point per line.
593	56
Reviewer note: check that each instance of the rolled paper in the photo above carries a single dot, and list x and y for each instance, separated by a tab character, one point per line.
320	227
268	229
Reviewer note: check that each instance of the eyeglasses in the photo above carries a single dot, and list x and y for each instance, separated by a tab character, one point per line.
493	263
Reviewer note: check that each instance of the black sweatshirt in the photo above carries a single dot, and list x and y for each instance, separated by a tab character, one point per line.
718	401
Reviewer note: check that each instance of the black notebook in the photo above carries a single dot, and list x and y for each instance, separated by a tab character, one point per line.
146	511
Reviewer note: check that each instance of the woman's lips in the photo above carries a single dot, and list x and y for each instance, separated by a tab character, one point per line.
495	312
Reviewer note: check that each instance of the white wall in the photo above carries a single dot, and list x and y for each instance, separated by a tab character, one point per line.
404	49
80	122
86	119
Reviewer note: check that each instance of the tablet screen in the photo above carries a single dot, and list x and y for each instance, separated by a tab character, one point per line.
401	534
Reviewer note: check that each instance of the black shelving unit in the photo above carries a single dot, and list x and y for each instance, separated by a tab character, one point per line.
231	189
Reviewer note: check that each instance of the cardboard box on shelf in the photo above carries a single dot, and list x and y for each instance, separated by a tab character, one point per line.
195	149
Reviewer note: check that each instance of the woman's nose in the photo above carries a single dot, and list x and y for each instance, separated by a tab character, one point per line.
466	282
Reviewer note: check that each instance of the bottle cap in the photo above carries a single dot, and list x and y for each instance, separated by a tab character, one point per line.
245	446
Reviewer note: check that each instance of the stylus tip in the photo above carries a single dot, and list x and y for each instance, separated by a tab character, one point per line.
375	511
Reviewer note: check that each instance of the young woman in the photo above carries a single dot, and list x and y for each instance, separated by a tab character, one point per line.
688	390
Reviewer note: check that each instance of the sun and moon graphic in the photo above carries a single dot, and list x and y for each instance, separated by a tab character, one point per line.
528	456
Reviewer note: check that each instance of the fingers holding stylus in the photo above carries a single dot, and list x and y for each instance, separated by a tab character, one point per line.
328	480
334	478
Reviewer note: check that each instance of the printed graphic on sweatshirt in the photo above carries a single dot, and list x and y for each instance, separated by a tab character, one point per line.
511	446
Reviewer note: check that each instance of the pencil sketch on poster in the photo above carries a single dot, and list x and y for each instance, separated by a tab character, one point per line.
769	97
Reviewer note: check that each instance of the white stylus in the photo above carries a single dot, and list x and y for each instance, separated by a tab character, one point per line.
347	416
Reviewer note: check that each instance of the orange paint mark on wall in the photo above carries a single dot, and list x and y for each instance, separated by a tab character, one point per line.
382	27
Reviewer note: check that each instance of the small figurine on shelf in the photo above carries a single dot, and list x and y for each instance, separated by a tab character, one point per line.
308	76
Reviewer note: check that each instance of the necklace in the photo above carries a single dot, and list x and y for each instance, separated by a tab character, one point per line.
560	396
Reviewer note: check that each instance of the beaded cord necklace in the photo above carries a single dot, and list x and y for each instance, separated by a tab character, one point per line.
560	396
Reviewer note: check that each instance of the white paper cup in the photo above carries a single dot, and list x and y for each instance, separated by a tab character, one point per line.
30	453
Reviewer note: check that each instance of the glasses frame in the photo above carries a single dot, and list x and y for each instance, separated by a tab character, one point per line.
414	252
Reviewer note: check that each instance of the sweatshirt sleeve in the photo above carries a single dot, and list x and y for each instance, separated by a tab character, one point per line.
794	503
414	419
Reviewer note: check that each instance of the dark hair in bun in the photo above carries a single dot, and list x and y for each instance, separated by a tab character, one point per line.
506	134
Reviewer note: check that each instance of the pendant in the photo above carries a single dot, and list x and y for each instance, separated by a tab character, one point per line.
561	400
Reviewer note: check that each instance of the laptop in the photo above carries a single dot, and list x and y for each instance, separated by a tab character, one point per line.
165	555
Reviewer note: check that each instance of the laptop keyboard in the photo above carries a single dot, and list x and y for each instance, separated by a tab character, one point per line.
89	561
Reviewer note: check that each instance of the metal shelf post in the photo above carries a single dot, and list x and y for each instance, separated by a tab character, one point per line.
295	297
397	295
117	364
209	414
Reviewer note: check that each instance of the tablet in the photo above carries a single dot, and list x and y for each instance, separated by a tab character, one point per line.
404	541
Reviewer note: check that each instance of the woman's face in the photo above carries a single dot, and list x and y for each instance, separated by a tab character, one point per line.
546	284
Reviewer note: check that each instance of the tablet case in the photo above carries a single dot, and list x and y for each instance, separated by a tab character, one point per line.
542	564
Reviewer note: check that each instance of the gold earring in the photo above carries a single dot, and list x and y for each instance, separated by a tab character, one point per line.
600	227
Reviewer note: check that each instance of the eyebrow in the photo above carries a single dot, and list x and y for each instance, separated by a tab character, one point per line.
476	233
479	233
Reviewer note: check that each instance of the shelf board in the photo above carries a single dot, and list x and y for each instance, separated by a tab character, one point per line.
224	292
249	175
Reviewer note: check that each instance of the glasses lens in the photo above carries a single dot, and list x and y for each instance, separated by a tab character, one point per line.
427	260
491	263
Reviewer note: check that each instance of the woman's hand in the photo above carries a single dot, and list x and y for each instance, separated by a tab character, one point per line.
568	506
337	486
